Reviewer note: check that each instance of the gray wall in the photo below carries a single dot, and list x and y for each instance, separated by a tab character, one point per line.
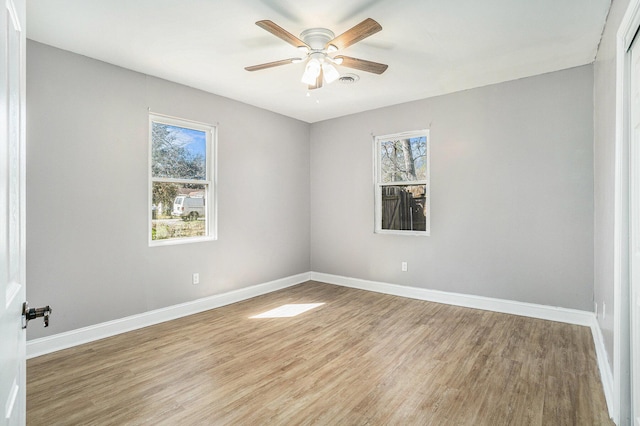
511	190
87	189
604	170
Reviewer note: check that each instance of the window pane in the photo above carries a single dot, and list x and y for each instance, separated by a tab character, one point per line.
178	152
404	207
178	211
403	159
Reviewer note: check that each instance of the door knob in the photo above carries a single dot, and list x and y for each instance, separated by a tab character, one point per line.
32	313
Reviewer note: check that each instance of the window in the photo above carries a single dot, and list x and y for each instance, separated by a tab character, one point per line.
402	183
181	184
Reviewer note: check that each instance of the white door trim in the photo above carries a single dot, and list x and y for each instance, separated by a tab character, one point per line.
634	223
625	35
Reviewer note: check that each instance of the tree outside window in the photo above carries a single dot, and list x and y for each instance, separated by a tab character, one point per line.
402	183
181	184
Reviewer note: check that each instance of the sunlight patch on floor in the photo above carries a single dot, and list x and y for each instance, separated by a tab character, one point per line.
289	310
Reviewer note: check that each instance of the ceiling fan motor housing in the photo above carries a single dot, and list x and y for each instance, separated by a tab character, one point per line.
317	38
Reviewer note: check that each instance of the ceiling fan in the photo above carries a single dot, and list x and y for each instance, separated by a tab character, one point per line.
318	44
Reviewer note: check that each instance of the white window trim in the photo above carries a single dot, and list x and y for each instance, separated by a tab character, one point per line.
211	219
377	184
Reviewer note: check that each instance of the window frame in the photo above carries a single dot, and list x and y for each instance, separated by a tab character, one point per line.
378	184
211	200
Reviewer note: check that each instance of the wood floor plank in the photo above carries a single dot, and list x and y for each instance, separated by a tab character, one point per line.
360	358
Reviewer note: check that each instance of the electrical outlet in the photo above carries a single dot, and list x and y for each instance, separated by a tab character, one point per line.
195	278
404	266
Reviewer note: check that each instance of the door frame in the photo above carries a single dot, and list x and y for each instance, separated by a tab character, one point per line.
622	351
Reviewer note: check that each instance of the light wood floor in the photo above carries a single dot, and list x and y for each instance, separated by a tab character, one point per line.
362	358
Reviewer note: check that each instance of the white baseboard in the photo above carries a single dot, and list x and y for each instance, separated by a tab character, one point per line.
551	313
606	376
45	345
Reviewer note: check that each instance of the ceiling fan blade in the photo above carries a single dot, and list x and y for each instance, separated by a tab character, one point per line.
362	65
271	64
361	31
278	31
319	81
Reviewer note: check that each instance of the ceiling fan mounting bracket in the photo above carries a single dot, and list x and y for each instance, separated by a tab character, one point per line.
317	38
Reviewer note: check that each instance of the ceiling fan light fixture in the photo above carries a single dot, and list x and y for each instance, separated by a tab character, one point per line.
330	72
311	72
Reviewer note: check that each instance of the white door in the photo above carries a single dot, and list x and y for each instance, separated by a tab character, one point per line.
634	249
12	212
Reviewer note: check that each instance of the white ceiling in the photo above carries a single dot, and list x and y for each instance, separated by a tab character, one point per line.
432	47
